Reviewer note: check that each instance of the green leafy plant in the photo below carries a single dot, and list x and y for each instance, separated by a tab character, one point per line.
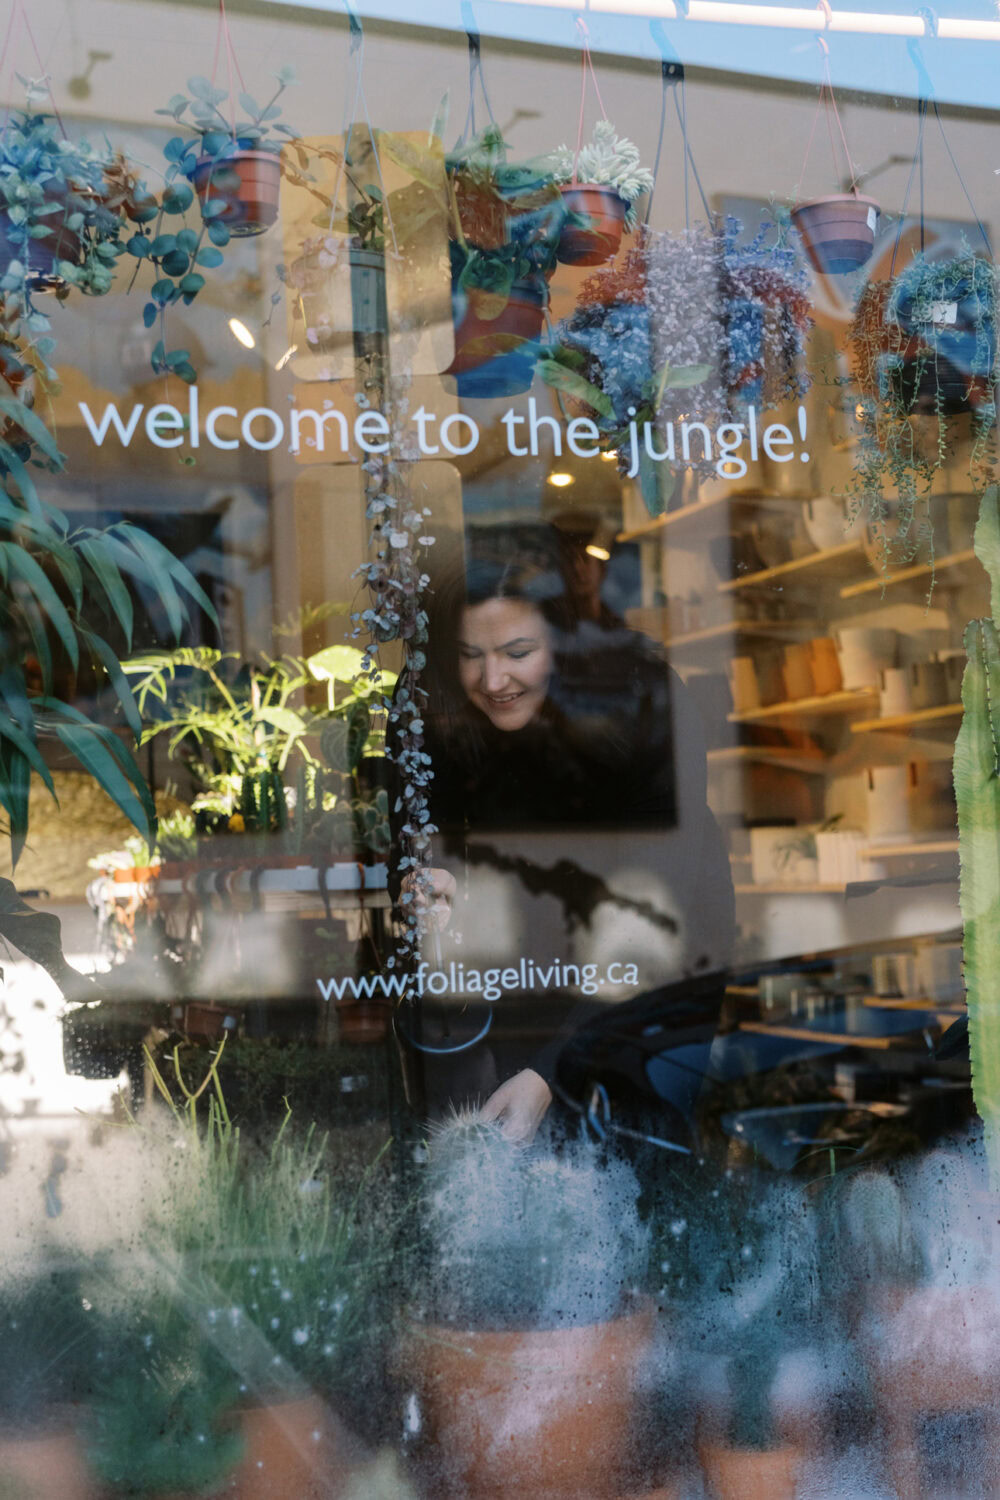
242	727
923	351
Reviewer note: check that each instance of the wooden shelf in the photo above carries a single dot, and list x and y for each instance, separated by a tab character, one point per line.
750	889
906	721
911	851
830	559
829	703
687	513
768	755
809	1034
766	629
906	575
939	1007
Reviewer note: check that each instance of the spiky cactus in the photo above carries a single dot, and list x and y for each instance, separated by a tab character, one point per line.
977	792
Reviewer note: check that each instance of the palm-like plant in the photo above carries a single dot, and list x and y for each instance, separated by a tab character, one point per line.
59	582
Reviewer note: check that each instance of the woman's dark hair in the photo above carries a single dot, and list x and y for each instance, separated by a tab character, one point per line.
522	561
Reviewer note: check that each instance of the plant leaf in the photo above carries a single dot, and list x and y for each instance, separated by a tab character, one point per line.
118	681
557	376
24	566
108	576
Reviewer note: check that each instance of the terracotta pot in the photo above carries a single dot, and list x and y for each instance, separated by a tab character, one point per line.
139	875
207	1022
48	1467
597	241
799	680
247	182
293	1449
496	356
361	1022
838	232
749	1474
531	1413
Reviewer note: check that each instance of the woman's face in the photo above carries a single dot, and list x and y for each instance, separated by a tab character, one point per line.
505	660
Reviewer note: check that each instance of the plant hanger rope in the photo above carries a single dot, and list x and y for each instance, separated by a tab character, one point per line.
18	18
475	75
586	62
672	77
357	52
222	34
827	102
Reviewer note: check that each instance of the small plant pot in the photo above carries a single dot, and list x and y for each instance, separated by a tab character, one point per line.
139	875
50	1466
59	244
247	182
750	1474
293	1448
838	232
544	1412
341	300
497	356
362	1022
597	239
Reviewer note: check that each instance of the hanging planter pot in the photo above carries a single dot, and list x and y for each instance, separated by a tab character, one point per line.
837	232
497	356
594	225
43	255
341	292
946	314
246	183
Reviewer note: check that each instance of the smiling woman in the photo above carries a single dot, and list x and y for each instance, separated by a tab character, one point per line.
569	807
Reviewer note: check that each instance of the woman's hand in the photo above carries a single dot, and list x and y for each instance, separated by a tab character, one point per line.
433	893
519	1105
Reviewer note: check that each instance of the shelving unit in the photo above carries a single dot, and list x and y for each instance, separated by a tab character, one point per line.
912	851
767	755
918	571
672	519
908	721
829	559
829	703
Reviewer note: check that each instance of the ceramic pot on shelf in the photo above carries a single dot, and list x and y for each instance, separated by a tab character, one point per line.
825	666
928	684
864	652
895	695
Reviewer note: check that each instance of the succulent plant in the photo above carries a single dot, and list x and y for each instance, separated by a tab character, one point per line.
608	160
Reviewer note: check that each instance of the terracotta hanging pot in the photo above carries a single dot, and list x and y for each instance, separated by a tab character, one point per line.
598	237
838	231
544	1412
496	356
247	182
751	1474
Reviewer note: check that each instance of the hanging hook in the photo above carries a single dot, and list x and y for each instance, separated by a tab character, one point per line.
471	30
930	20
671	66
357	30
825	7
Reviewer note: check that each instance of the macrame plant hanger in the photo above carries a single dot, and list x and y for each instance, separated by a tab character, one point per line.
586	64
357	55
827	104
672	79
925	100
15	22
223	37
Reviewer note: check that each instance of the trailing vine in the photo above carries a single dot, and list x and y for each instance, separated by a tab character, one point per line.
923	354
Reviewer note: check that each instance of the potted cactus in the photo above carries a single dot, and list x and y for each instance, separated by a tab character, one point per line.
601	185
533	1261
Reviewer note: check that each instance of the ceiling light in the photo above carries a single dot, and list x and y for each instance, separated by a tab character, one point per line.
282	362
601	553
610	458
560	480
242	334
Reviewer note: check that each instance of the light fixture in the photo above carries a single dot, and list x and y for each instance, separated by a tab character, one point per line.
282	362
609	457
242	334
601	553
560	479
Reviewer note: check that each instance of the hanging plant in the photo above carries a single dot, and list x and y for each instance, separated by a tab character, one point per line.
506	221
602	183
768	314
838	230
235	171
56	231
